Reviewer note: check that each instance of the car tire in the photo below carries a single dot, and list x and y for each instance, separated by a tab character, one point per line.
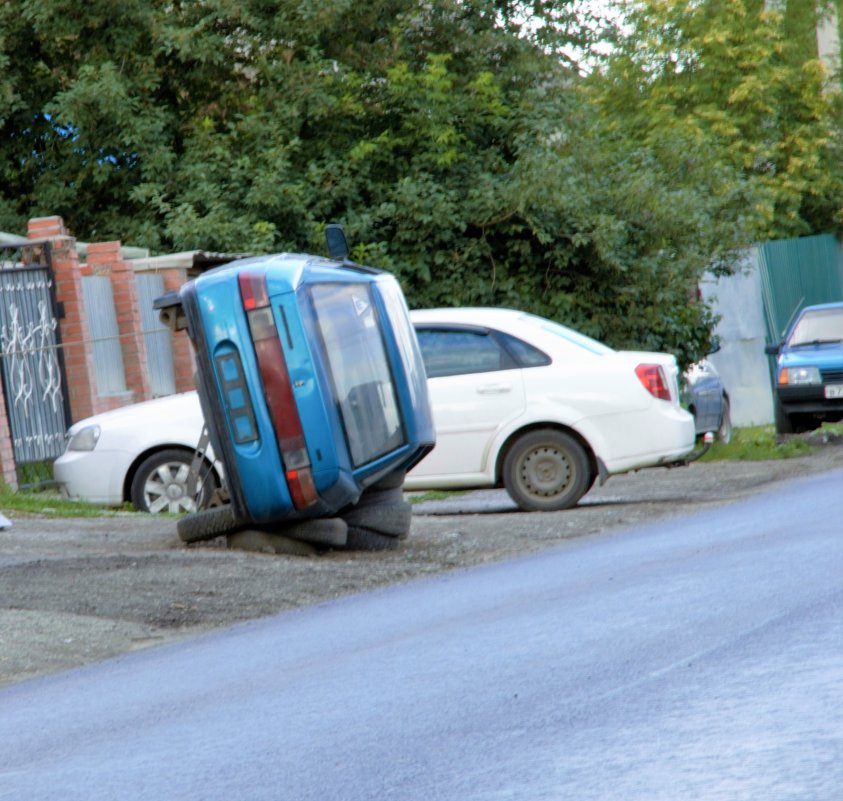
380	519
364	539
160	484
393	480
207	524
724	433
546	471
331	532
392	519
383	511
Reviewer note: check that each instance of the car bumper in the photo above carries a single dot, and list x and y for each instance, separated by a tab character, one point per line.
660	435
811	400
94	476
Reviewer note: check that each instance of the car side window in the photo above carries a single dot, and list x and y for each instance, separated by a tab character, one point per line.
525	354
458	352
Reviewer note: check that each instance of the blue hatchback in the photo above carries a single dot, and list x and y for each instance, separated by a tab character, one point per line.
809	370
311	382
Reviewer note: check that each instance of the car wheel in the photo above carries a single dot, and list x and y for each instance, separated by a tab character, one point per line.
160	484
207	524
724	433
546	471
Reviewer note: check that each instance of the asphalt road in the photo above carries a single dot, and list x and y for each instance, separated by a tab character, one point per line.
695	658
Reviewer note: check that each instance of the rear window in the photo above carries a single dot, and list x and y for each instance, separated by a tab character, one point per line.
359	367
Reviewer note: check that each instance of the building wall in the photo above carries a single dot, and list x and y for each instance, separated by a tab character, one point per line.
741	361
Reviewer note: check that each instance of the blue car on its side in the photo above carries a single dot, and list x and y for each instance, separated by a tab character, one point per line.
312	387
809	370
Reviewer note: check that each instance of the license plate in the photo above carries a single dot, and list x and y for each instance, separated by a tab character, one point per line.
834	391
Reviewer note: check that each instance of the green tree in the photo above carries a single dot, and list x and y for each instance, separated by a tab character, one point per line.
746	82
457	141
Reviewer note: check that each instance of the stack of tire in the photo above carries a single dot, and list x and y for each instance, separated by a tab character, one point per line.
379	520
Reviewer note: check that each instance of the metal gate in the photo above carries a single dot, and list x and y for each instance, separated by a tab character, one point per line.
34	383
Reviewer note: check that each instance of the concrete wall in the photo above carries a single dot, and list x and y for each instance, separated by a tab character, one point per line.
741	361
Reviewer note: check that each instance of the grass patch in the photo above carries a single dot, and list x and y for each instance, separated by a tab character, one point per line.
760	443
434	495
46	503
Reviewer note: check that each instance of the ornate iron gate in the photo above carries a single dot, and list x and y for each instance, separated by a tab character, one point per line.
34	383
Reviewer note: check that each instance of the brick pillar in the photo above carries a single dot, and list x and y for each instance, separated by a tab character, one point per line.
104	259
46	228
8	466
184	362
75	335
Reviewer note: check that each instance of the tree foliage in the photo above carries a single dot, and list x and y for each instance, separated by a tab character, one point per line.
746	81
457	140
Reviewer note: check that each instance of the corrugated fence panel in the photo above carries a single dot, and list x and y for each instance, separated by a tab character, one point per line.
105	335
159	351
796	273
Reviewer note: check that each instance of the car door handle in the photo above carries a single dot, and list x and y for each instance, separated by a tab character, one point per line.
494	389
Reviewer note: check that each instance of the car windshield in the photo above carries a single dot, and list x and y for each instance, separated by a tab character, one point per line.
817	326
359	368
574	337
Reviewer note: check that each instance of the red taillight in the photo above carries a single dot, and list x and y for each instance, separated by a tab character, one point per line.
253	291
302	489
652	377
278	390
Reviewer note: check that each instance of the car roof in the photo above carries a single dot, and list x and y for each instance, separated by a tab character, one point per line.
538	330
823	306
477	315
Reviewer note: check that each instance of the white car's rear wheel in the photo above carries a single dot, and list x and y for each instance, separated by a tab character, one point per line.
162	484
546	471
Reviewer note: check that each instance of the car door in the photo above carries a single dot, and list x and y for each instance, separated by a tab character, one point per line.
475	388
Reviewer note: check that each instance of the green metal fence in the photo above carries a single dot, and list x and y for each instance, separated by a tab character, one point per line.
797	273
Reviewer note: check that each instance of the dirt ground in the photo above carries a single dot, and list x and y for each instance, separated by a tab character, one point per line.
82	590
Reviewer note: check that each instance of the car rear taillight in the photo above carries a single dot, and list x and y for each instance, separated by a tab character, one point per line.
652	377
278	390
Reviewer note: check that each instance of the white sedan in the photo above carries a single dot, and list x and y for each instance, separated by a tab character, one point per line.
518	401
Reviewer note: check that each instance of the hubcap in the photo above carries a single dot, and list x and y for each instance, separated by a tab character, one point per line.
166	489
545	471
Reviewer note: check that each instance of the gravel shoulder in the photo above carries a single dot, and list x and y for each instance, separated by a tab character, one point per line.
81	590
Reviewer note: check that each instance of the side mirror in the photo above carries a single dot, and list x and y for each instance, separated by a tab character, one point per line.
336	242
774	349
714	347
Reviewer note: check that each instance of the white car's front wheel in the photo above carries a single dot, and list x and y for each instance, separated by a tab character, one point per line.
162	484
546	471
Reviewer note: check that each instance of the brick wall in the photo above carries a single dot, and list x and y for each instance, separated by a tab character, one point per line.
75	335
84	398
184	361
104	259
8	473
